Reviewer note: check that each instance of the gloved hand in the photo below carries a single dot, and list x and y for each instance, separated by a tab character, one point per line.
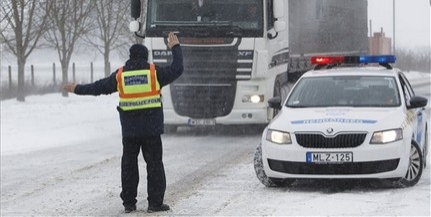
69	87
172	40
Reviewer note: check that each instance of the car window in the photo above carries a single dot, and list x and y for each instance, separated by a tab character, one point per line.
351	91
406	88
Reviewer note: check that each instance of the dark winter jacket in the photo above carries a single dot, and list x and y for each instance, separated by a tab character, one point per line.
144	122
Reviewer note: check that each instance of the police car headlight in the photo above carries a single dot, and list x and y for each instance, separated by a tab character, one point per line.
278	137
387	136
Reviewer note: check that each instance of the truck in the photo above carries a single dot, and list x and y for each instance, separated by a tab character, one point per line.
240	53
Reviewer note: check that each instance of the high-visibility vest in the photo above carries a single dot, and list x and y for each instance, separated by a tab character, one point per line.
138	89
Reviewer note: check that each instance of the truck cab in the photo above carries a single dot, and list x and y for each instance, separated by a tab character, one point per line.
238	53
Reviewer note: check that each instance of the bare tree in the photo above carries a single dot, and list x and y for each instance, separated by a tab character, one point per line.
25	24
112	27
70	21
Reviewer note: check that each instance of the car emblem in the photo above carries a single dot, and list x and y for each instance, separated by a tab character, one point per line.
330	130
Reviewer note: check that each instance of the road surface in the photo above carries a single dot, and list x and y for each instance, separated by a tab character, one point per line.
209	172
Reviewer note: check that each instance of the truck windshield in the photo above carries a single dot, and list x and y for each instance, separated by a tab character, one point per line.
205	18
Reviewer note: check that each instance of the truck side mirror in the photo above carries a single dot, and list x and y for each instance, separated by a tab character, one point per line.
279	23
135	9
278	9
134	26
275	103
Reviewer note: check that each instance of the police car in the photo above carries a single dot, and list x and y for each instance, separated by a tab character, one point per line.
352	117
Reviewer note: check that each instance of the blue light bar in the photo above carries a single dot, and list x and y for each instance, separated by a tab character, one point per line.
382	59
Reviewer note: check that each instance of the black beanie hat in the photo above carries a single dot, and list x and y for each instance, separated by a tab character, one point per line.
138	51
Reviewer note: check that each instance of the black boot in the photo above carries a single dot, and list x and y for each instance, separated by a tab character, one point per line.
163	207
129	208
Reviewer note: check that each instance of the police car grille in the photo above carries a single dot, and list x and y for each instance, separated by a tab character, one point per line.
352	168
339	141
207	87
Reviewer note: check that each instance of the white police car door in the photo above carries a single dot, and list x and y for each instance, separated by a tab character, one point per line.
418	123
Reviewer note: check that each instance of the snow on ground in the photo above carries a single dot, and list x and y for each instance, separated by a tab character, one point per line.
46	129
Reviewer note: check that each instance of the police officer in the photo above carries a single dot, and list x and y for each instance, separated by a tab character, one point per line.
141	116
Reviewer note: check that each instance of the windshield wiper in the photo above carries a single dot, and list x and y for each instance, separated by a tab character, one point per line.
235	31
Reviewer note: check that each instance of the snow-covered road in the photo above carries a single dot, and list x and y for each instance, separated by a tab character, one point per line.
61	157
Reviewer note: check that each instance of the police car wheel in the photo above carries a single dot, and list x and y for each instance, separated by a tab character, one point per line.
415	168
282	182
258	168
261	175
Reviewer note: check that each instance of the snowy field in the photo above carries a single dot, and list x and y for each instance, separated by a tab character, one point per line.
45	73
61	157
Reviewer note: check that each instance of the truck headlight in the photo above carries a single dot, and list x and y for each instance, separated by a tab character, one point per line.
387	136
253	98
278	137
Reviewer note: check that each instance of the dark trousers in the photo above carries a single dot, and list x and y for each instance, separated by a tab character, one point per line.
156	181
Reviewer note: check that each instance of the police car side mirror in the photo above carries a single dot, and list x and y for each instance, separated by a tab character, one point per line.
417	102
275	103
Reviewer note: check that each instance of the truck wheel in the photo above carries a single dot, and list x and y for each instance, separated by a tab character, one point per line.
415	168
280	90
425	153
277	93
261	175
170	128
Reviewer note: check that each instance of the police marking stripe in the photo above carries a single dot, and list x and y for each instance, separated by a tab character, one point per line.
337	120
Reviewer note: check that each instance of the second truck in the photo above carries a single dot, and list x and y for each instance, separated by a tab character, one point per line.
240	53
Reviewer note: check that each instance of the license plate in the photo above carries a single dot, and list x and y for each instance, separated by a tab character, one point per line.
329	157
204	122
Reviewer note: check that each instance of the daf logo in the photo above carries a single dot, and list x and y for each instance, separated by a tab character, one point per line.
245	53
330	130
163	53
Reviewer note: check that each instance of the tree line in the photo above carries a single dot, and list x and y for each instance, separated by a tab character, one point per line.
63	25
418	60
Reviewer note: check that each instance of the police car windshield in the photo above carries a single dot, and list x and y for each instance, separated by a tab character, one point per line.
347	91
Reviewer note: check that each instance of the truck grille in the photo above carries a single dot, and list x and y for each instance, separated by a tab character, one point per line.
207	87
203	101
318	140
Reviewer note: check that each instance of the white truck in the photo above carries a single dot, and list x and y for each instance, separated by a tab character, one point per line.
240	53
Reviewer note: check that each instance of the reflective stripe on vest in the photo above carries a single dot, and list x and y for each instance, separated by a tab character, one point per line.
138	89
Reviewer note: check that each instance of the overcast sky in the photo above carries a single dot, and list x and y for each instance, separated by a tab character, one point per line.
412	21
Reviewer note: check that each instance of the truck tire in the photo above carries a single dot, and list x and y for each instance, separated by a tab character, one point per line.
170	129
426	146
281	89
